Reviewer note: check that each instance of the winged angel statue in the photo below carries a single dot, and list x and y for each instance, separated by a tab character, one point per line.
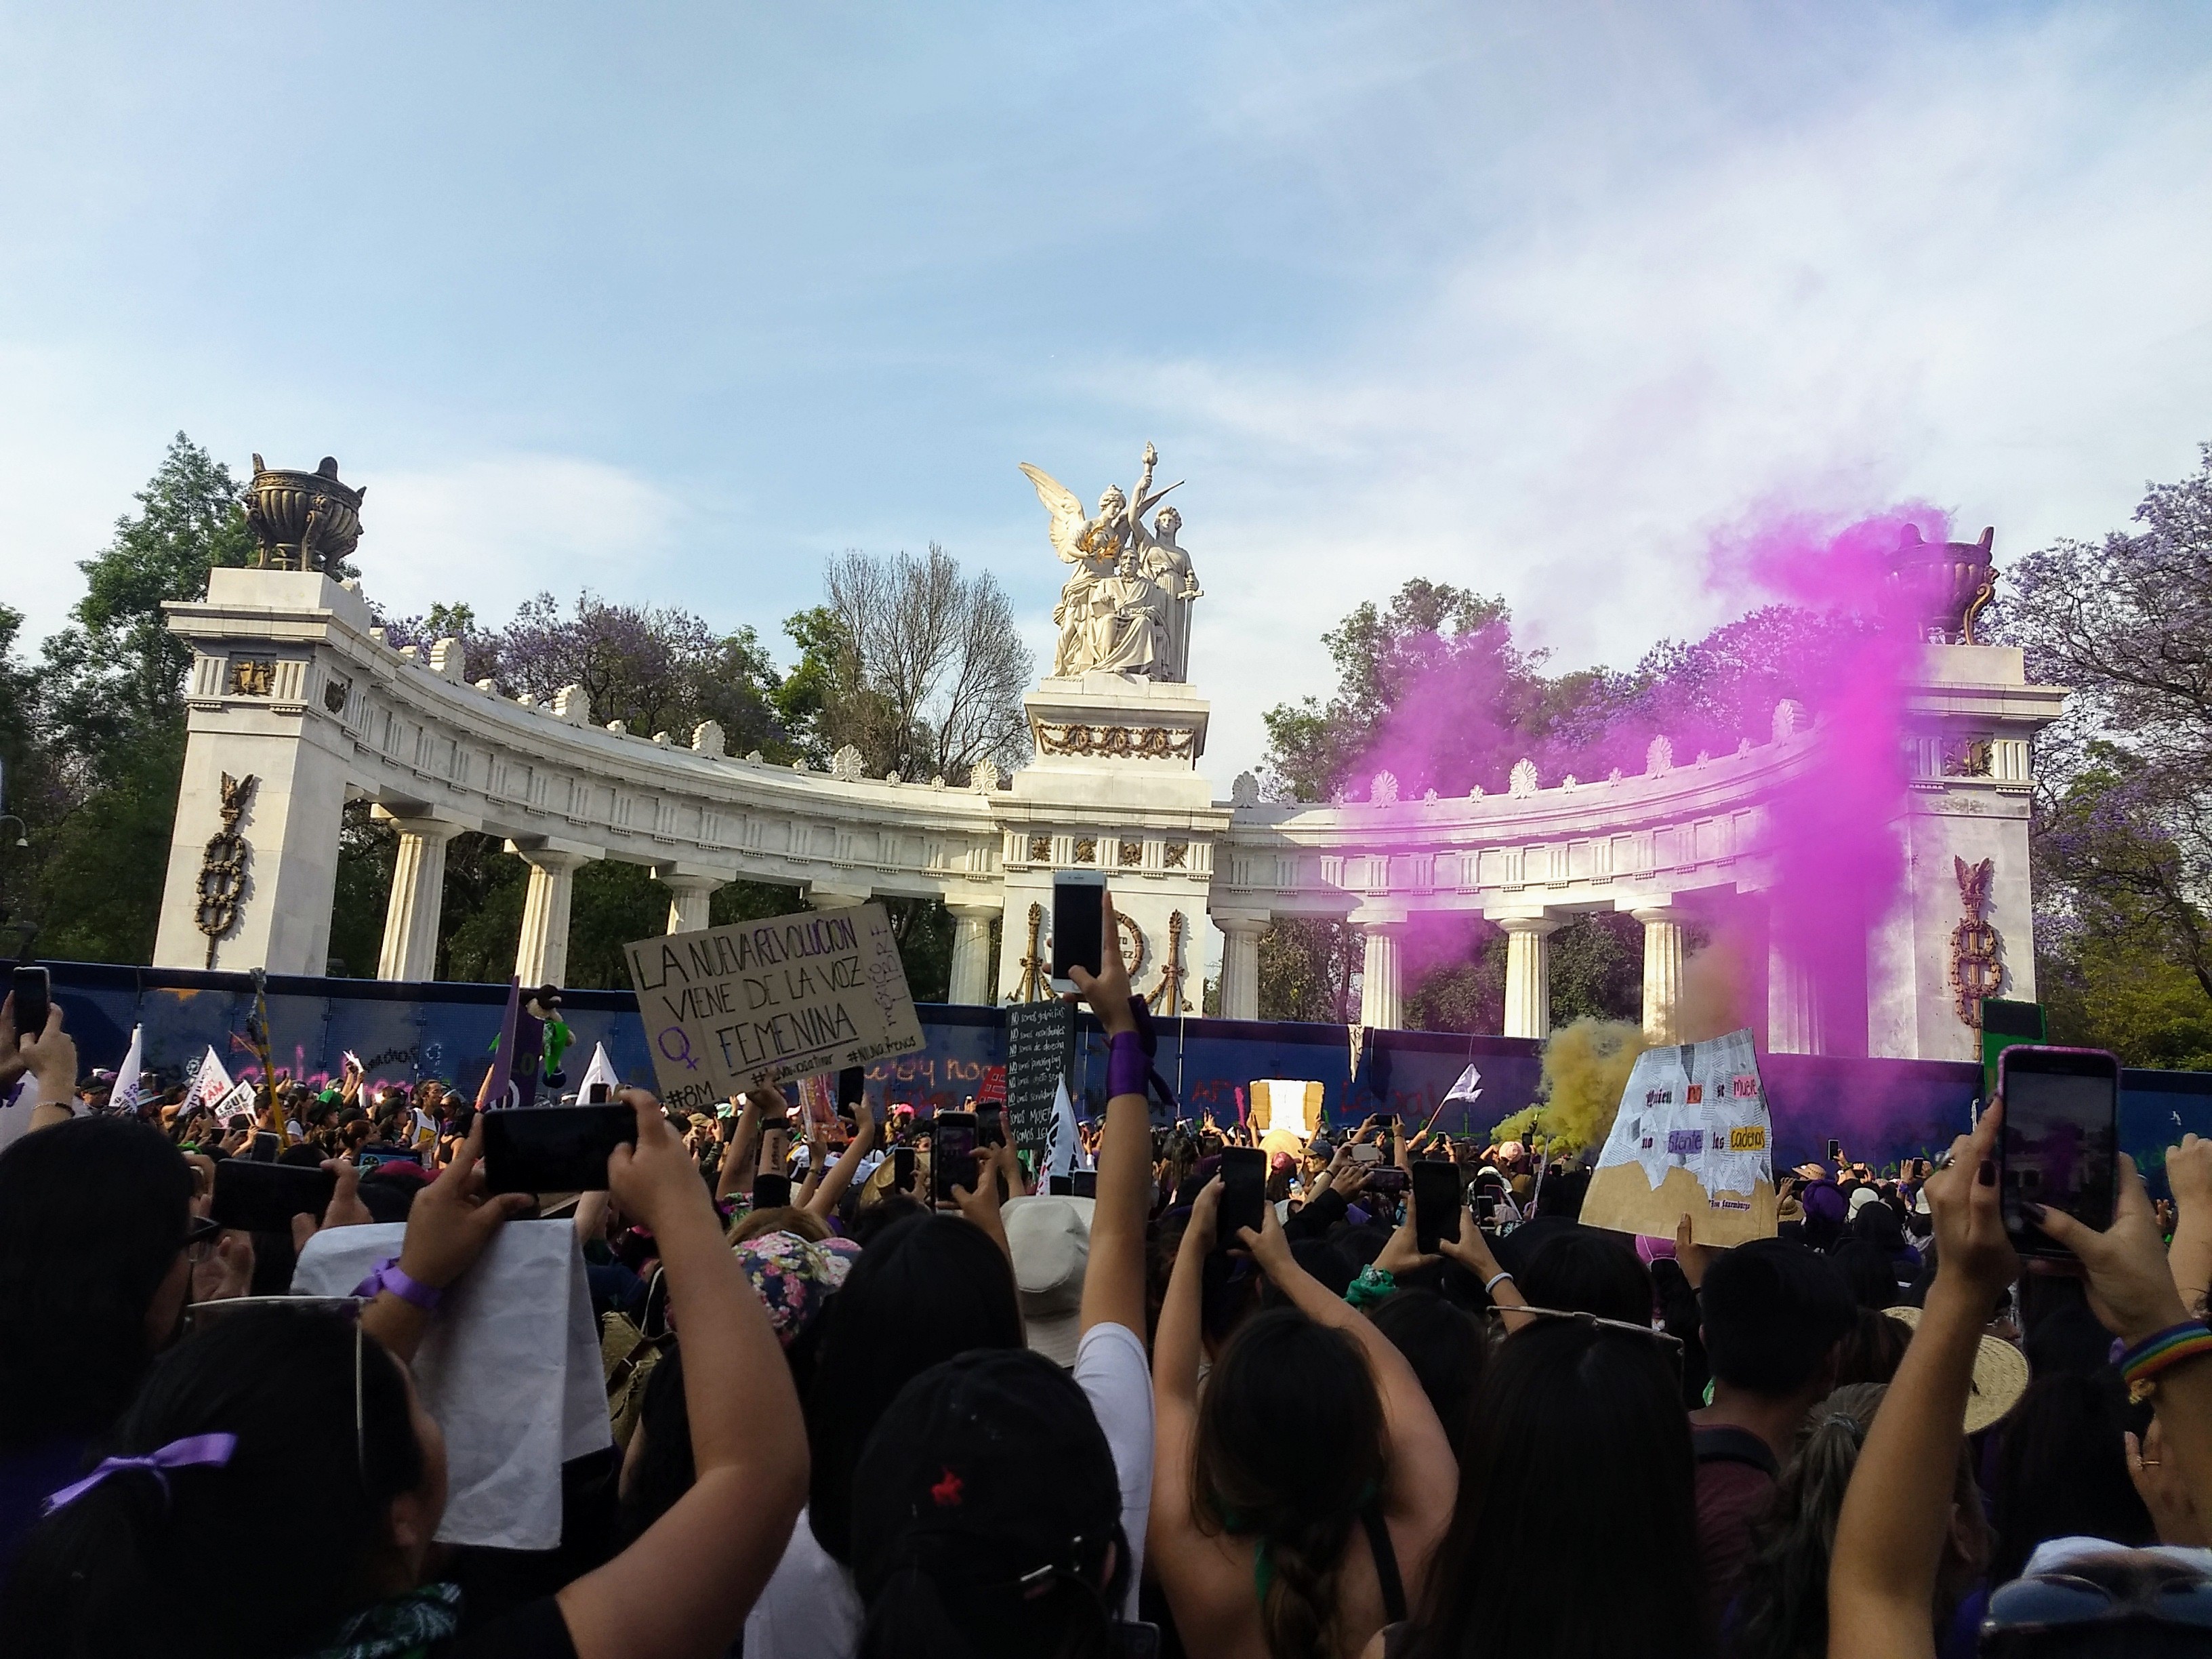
1126	605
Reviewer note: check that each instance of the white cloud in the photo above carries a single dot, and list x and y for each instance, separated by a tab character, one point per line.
1982	280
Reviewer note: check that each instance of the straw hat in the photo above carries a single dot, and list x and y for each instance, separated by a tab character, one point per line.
1999	1375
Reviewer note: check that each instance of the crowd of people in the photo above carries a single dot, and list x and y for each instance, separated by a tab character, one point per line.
850	1417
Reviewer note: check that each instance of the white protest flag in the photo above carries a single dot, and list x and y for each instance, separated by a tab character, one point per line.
601	1070
124	1097
239	1105
1469	1086
209	1084
1060	1146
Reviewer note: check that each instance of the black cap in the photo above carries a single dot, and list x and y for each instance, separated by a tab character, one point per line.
990	1475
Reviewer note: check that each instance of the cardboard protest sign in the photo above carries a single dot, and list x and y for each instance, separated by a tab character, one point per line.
759	1003
1040	1049
1692	1137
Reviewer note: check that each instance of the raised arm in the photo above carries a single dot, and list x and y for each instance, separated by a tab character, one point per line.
685	1587
737	1156
1114	1281
825	1196
1424	1475
49	1056
1897	1510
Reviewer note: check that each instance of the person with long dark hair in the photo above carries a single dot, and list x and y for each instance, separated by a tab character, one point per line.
1263	1550
1575	1531
298	1427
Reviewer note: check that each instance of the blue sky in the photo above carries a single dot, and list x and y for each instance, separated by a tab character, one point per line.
673	301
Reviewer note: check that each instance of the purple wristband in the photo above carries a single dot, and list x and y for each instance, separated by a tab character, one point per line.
385	1276
1127	1065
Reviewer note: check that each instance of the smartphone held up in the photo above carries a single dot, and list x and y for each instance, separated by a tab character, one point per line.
2059	1146
1079	925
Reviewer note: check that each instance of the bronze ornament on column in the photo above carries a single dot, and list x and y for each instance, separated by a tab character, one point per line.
222	865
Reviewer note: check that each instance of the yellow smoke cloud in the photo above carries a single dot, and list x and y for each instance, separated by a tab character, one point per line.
1586	1065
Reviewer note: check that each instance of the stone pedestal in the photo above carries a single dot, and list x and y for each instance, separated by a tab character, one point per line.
1116	788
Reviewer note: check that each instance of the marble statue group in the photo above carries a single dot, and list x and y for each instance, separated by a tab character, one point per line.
1125	606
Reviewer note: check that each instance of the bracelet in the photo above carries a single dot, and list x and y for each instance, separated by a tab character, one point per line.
1373	1285
385	1276
1126	1063
1494	1281
2141	1365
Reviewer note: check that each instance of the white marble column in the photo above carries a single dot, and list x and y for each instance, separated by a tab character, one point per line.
418	894
541	955
971	953
1529	974
1240	965
1794	1025
1663	972
1379	1001
691	892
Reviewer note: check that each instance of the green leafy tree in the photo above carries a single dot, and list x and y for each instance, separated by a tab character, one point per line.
97	782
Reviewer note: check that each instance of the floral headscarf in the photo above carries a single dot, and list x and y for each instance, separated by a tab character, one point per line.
794	1277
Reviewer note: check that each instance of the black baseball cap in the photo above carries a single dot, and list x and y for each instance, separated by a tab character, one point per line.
990	1477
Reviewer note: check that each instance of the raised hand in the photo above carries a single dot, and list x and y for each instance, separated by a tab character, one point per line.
2130	1290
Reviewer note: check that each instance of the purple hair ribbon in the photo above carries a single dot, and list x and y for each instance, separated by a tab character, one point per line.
211	1451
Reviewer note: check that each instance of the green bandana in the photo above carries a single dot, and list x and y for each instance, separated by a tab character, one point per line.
398	1627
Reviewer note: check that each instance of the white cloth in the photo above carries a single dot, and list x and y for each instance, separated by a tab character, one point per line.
509	1368
123	1098
601	1070
209	1084
810	1609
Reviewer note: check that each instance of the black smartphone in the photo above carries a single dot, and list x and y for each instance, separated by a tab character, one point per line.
1059	1186
951	1156
32	989
266	1145
903	1168
2060	1144
1083	1183
771	1191
1386	1178
852	1088
1078	925
1835	1152
1485	1205
1435	1203
1244	1193
262	1198
990	1123
598	1095
553	1149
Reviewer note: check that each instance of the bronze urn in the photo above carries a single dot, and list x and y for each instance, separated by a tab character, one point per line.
303	521
1940	587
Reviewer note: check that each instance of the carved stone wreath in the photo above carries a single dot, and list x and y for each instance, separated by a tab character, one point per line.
1976	962
1118	742
222	865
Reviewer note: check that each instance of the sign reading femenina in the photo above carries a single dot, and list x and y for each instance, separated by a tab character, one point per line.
758	1003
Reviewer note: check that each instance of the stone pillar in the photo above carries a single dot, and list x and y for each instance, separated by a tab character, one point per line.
1663	972
541	955
1379	979
1794	1025
418	894
690	893
1240	965
971	952
1529	974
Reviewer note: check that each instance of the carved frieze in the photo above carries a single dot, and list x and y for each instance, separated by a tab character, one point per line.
1118	742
